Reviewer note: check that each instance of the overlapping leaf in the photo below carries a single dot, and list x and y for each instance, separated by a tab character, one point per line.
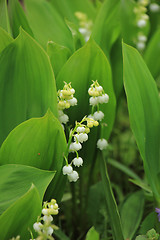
144	110
58	56
15	180
131	214
38	142
71	6
21	215
47	24
17	18
5	39
152	54
107	25
4	20
27	87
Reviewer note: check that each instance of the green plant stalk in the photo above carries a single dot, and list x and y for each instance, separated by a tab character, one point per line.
110	202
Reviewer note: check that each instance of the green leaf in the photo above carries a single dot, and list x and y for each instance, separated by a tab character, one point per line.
96	208
131	214
4	20
78	39
38	142
144	111
15	181
148	223
5	39
58	56
71	6
47	24
143	185
60	235
17	18
92	234
110	202
20	216
107	28
152	54
27	86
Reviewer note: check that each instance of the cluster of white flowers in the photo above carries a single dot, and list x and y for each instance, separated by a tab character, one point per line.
44	226
141	22
80	135
98	96
66	99
85	25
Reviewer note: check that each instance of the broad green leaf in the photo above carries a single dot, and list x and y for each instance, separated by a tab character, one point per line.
38	142
96	208
107	25
92	234
71	6
131	213
4	20
112	208
58	56
15	180
27	87
20	216
47	24
5	39
87	64
17	18
152	53
144	111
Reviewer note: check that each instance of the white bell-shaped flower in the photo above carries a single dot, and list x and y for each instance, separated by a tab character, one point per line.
102	144
93	101
73	101
67	169
64	118
154	7
78	161
140	45
37	226
81	129
75	146
73	177
98	116
82	137
141	23
47	218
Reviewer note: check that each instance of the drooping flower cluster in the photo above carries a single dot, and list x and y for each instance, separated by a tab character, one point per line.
97	97
85	25
79	134
141	21
66	99
44	226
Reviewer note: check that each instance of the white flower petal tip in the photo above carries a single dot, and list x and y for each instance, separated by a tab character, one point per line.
67	169
37	226
78	162
73	177
102	144
64	118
